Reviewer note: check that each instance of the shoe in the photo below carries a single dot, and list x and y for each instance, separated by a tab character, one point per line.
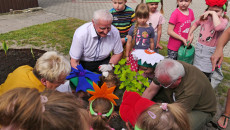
225	123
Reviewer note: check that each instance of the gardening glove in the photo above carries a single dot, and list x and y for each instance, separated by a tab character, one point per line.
105	67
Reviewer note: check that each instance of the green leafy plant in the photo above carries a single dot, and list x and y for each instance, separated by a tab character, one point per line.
5	47
32	52
131	81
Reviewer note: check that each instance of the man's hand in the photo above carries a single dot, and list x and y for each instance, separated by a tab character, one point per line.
217	59
105	67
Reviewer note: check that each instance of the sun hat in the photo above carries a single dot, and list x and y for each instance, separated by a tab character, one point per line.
132	106
220	3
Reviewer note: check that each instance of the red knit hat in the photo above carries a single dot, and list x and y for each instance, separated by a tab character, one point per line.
219	3
132	106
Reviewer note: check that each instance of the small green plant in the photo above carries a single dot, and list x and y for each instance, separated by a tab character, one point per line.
5	47
132	81
32	52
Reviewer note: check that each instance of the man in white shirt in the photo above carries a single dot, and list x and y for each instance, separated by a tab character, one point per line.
93	43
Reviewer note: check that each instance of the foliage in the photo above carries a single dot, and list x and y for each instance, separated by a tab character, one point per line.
5	47
132	81
32	53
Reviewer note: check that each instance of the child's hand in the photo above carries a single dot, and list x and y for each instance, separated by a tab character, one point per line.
207	13
123	41
184	41
114	115
190	38
127	59
159	46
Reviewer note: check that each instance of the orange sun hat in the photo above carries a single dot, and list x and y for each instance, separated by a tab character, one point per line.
103	92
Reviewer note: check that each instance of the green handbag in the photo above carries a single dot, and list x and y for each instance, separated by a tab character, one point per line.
186	54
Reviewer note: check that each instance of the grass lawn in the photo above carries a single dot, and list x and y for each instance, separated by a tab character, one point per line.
59	34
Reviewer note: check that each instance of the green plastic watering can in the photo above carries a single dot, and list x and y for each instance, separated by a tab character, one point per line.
186	54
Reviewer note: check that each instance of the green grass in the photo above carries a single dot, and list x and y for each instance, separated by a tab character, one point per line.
57	34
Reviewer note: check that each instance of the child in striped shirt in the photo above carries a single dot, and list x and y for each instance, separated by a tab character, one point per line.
123	18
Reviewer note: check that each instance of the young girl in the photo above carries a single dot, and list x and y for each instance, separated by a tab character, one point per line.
140	35
178	28
163	116
156	20
212	24
27	109
101	106
144	114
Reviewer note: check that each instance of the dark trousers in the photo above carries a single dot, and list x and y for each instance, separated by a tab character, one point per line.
93	65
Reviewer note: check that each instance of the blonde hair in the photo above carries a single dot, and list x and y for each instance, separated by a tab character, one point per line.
100	105
22	108
162	4
173	119
141	11
51	66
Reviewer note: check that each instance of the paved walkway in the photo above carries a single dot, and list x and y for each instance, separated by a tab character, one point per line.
83	9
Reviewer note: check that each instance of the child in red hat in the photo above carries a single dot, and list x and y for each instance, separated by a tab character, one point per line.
144	114
212	24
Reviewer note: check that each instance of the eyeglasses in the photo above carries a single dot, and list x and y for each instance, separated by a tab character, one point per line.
160	84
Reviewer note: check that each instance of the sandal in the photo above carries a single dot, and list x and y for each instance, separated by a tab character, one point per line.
226	118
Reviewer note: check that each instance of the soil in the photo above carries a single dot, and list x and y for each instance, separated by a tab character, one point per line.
19	57
15	58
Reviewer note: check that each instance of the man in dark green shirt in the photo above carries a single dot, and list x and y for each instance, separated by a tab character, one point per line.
183	83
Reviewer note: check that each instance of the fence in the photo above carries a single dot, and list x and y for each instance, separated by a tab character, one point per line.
6	5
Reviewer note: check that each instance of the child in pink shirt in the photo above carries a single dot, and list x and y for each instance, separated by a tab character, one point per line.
178	28
212	25
156	19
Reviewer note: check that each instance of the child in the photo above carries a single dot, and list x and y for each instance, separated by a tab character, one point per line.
27	109
178	28
163	116
101	106
156	20
123	18
144	114
140	35
212	24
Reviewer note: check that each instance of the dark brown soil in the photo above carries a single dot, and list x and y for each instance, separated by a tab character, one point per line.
16	58
19	57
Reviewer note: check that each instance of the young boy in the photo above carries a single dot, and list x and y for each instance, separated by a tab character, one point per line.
123	18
